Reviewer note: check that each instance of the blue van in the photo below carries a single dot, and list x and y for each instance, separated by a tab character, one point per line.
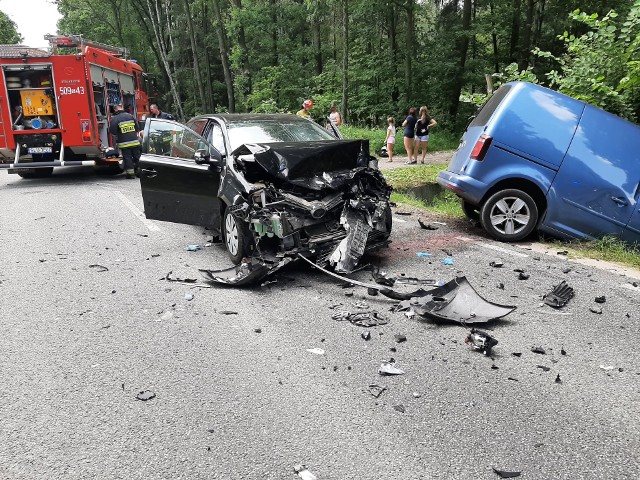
535	158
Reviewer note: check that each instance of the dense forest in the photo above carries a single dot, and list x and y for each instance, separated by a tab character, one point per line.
372	58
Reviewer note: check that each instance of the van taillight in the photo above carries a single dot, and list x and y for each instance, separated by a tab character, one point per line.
481	147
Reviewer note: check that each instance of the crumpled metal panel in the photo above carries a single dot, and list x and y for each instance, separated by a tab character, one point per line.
248	272
457	301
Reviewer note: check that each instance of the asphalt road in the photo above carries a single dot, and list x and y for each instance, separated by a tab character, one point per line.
78	342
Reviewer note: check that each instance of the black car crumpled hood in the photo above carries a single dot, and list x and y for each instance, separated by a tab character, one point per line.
313	165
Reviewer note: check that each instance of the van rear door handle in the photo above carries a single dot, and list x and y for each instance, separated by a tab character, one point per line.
149	172
620	201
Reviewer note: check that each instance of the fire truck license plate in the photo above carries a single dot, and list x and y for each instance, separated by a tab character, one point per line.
39	150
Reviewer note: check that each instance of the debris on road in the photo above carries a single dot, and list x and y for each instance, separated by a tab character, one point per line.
303	473
559	296
316	351
601	299
607	368
372	318
188	296
366	335
496	264
249	271
455	301
562	351
447	261
193	248
166	316
423	254
543	368
538	350
426	226
228	312
145	395
505	474
399	338
372	291
257	330
99	268
388	368
516	354
597	311
399	408
181	280
481	341
523	276
376	390
558	379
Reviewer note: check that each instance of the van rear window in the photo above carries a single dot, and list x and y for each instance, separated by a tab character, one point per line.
488	108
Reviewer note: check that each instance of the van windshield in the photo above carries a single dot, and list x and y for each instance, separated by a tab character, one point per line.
487	110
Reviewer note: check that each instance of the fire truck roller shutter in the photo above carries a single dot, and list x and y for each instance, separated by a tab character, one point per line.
96	75
110	76
126	84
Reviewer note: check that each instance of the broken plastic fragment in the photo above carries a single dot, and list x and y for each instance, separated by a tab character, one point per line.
400	338
457	301
399	408
145	395
601	299
496	264
388	368
523	276
559	296
366	335
597	311
426	226
166	315
447	261
543	368
481	341
423	254
303	473
193	248
228	312
607	367
558	379
316	351
539	350
188	296
505	474
250	271
99	268
376	390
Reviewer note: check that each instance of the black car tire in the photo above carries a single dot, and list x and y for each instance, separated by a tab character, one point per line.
472	212
237	237
509	215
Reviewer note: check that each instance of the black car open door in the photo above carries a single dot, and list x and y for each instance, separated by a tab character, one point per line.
180	175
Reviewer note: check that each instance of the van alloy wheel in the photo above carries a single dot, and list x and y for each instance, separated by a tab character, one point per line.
509	215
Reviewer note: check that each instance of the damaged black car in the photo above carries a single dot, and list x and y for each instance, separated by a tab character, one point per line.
273	187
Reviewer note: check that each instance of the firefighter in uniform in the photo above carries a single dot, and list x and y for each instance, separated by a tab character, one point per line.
125	128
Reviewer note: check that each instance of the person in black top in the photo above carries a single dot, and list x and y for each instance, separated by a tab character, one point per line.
125	128
156	113
422	132
409	125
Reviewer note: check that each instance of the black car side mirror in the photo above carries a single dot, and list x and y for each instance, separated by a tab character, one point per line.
208	157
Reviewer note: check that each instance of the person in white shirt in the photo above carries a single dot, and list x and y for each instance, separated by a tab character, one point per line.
390	140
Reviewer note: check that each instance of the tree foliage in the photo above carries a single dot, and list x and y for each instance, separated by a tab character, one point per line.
8	31
371	58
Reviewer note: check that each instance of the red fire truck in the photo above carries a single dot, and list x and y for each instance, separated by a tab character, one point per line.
54	105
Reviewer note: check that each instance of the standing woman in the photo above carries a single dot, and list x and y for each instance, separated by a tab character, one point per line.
409	125
422	132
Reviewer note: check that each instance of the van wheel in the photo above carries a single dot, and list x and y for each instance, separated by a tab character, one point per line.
472	212
509	215
237	237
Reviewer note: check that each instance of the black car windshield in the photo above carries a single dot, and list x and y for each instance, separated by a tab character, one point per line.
269	131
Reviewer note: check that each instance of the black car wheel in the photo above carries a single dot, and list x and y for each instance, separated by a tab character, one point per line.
471	211
509	215
237	237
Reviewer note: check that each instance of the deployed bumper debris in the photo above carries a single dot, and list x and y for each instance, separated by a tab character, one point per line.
362	319
559	296
481	341
388	368
250	271
456	301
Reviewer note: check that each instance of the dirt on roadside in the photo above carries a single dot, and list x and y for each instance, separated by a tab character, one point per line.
436	158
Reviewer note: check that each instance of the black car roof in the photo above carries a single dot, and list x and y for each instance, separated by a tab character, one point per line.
234	117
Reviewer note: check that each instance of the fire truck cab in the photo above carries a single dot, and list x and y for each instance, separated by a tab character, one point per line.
55	105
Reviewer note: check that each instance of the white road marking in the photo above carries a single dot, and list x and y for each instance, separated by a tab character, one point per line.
502	250
147	223
396	219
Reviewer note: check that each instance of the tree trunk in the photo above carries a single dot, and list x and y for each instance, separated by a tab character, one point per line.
317	44
345	60
537	29
463	47
410	50
194	50
207	59
244	53
393	40
515	31
224	54
525	52
494	41
155	15
274	31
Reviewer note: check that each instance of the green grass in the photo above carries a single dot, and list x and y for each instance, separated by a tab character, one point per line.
610	249
439	140
407	177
